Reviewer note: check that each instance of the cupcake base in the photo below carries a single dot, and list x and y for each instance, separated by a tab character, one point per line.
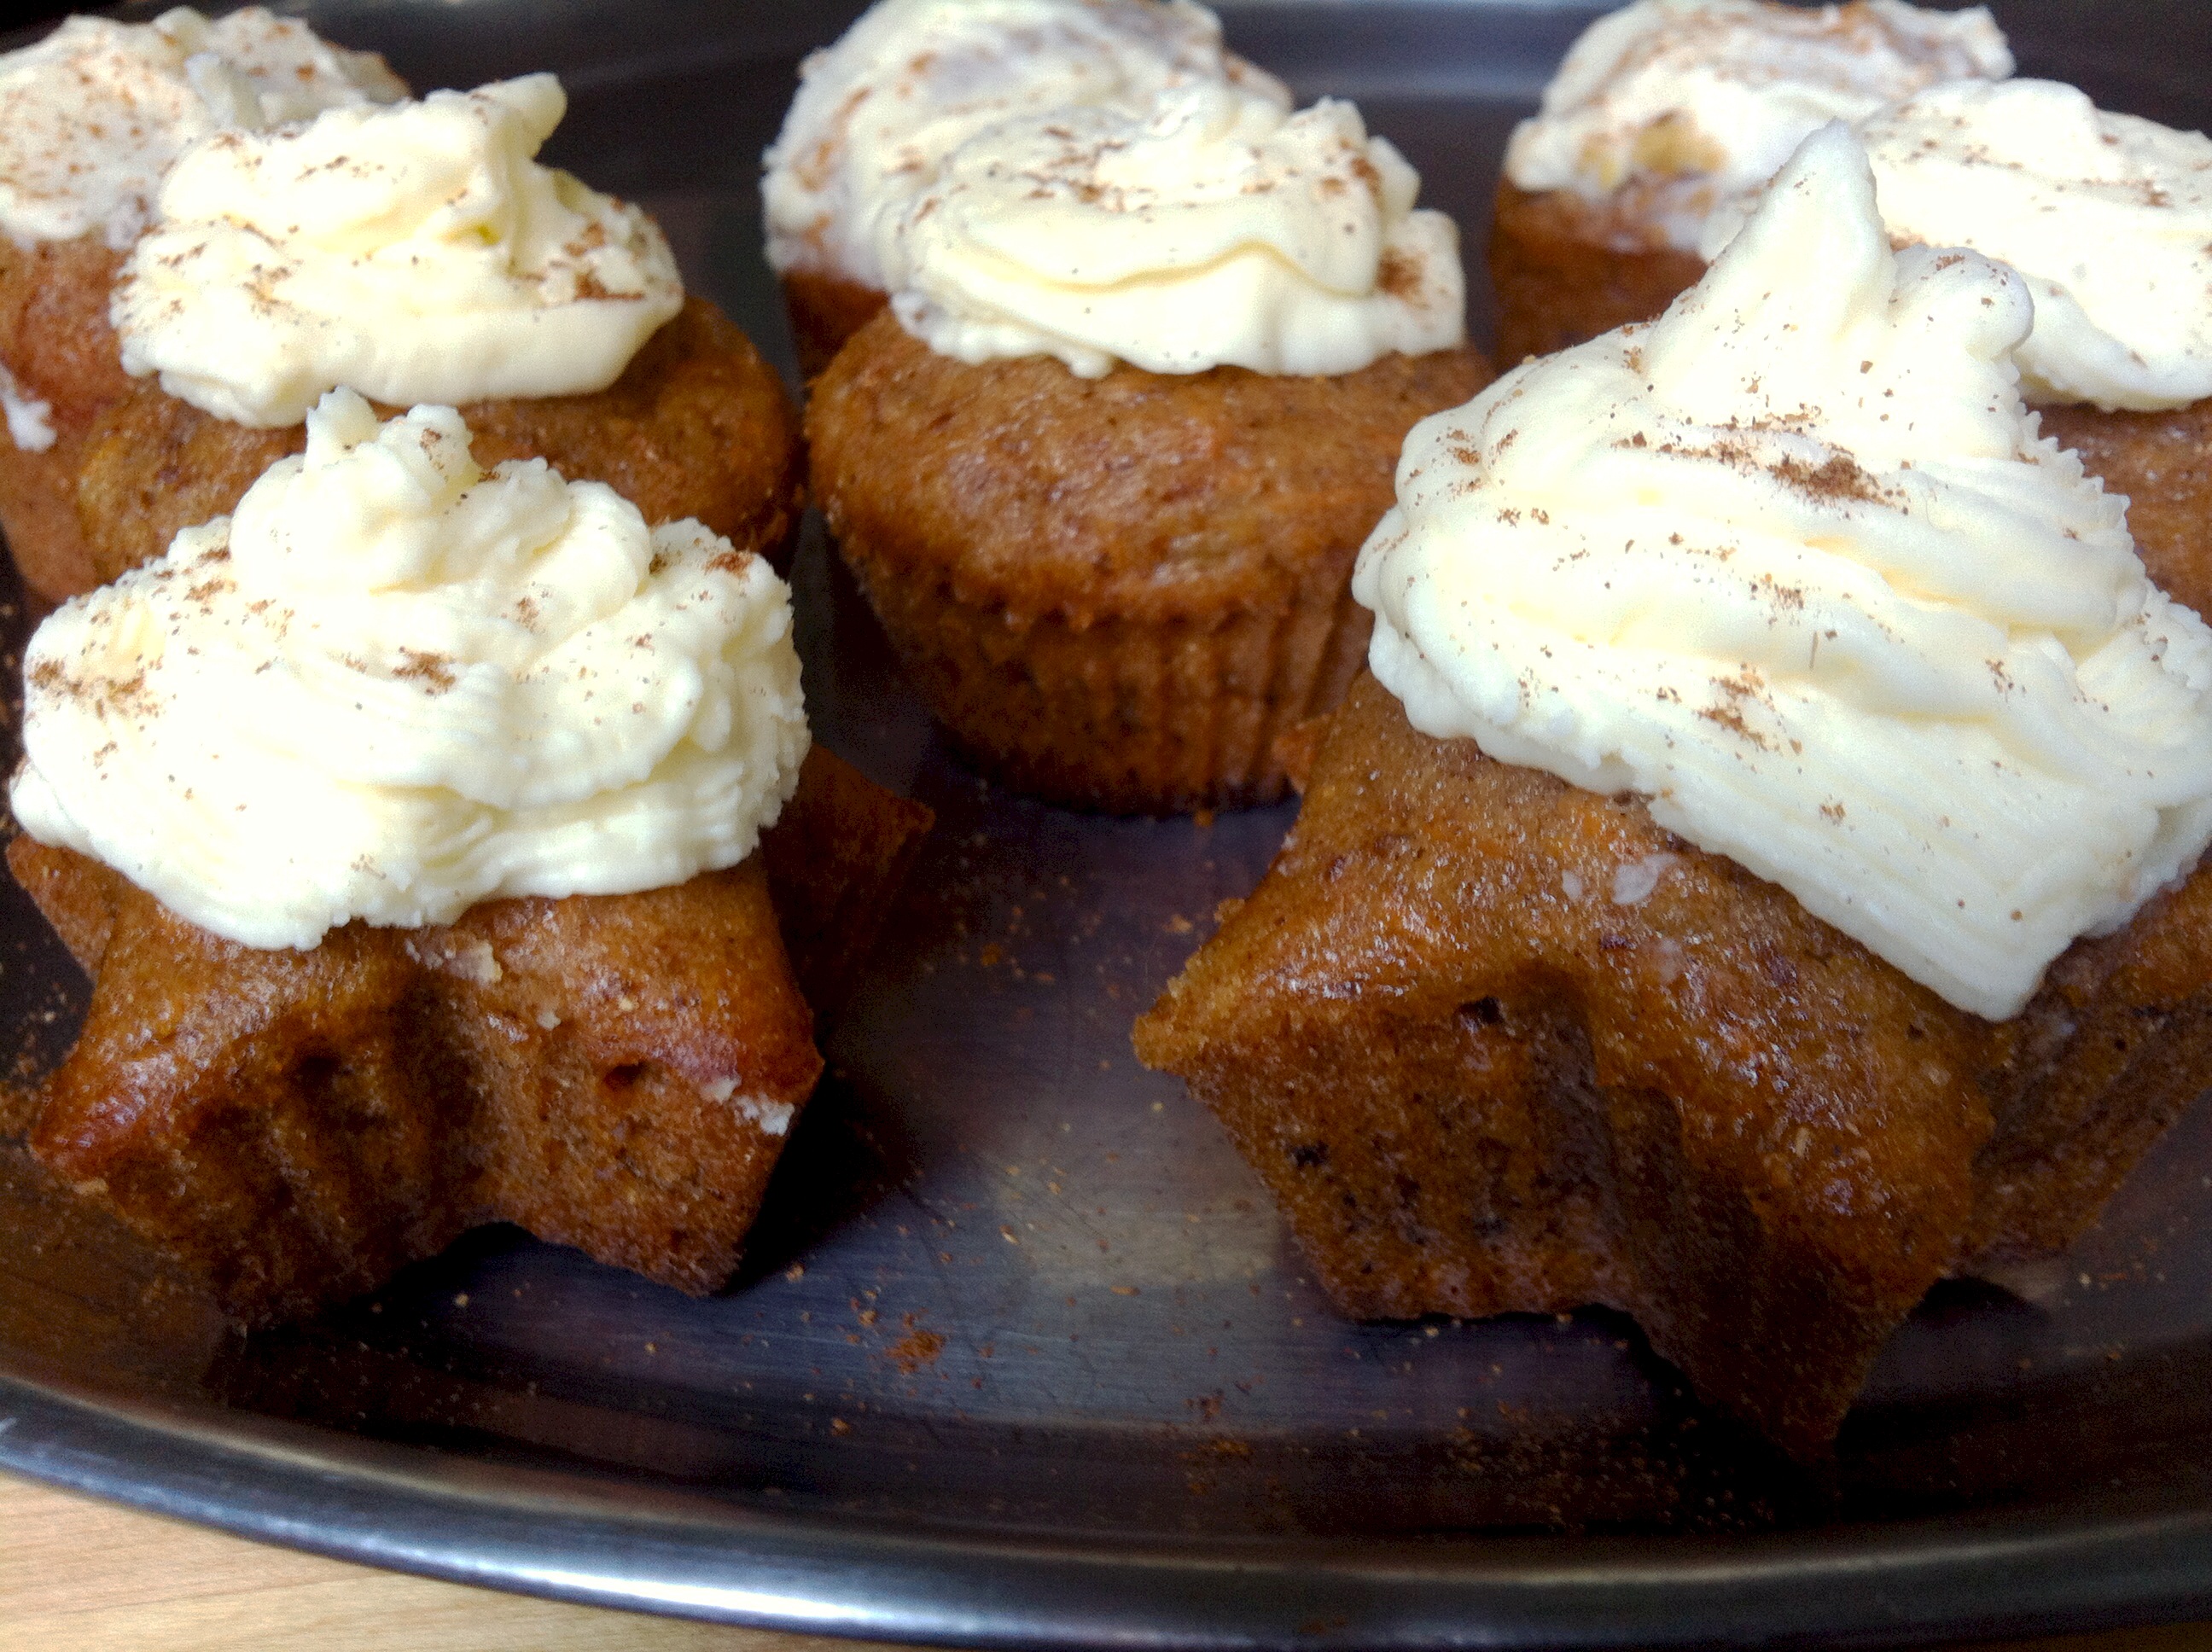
825	311
697	426
1115	593
1566	271
615	1072
1125	717
57	344
296	1126
1482	1073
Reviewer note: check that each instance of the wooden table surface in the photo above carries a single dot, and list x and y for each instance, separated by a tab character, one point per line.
79	1576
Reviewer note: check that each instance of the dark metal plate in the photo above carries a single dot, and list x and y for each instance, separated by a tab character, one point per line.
1021	1355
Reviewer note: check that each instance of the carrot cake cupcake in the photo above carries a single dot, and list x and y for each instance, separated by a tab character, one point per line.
417	252
1761	874
1104	462
411	821
911	81
1667	110
90	118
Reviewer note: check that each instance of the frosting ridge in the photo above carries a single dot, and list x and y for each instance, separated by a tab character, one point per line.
1213	228
415	253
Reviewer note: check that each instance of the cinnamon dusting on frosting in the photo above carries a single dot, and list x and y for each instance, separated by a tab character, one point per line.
1810	580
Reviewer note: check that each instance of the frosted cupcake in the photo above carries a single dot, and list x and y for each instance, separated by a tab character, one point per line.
90	118
1762	872
2107	216
876	112
1103	465
419	253
417	825
1669	110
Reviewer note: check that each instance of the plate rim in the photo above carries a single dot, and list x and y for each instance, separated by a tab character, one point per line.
602	1541
590	1537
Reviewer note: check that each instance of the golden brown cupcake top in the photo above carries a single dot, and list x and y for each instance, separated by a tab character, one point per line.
1140	495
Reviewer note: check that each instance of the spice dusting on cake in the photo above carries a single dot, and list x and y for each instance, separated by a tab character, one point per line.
1667	114
413	252
1702	101
878	113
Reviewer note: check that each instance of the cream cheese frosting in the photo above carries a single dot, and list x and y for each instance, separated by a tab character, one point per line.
391	685
914	79
30	418
1211	229
1793	563
2107	217
414	253
92	115
1697	102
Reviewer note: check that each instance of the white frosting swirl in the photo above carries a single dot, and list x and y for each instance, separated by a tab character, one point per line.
1793	562
1213	229
415	253
2109	218
1700	101
91	116
914	79
391	686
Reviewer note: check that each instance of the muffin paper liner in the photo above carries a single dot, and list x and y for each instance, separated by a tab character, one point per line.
1126	716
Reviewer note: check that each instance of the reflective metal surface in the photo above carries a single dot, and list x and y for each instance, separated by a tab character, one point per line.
1021	1355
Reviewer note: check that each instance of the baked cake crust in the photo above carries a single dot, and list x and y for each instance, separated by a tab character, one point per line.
298	1125
1566	271
825	311
1481	1076
616	1072
836	859
698	425
1115	592
56	340
2163	462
